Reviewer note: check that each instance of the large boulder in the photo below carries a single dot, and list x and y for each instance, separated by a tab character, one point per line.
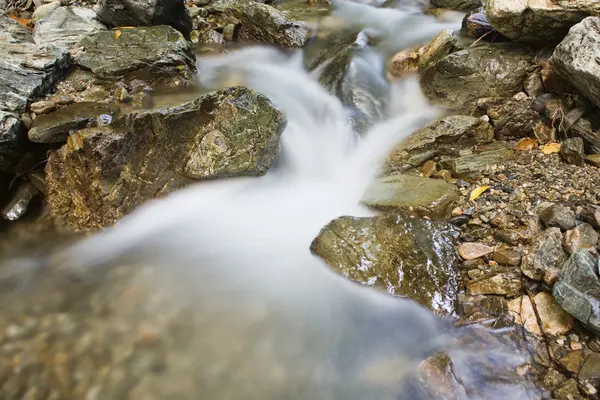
158	52
488	70
104	172
66	26
538	21
578	288
576	57
117	13
403	256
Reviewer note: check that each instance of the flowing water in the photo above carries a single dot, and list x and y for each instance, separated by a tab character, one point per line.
212	292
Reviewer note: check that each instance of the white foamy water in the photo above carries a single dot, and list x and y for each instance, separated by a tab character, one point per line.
269	320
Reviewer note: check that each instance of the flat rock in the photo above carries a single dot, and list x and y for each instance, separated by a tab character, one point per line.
554	320
505	282
576	57
545	254
508	257
578	289
445	136
471	251
103	173
153	53
489	70
473	164
57	126
538	21
401	255
11	139
558	215
66	26
116	13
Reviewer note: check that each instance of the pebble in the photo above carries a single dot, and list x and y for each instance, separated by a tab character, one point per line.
471	251
42	107
122	95
506	256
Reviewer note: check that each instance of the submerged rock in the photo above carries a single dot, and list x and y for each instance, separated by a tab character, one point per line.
57	126
488	70
404	256
155	53
424	196
66	26
146	12
445	136
578	288
538	21
576	57
104	172
11	138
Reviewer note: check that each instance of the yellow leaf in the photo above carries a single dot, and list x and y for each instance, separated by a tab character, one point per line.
117	34
526	144
478	191
551	148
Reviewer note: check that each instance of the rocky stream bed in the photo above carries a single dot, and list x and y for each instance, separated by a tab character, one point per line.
489	215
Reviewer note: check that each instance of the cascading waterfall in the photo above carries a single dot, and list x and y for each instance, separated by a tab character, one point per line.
267	319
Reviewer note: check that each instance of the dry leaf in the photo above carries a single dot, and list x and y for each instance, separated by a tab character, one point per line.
526	144
23	21
551	148
117	34
478	191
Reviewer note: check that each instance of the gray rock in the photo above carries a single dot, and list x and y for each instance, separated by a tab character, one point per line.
57	126
545	254
576	57
474	164
159	52
591	215
558	215
17	206
404	256
463	5
26	71
42	107
13	32
583	236
66	26
476	25
423	196
11	139
578	288
489	70
544	22
146	12
445	136
103	173
509	117
572	151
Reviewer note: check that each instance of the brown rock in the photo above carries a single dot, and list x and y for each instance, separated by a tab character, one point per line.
545	253
506	256
503	282
544	133
555	320
471	251
572	361
591	215
583	236
429	168
572	151
42	107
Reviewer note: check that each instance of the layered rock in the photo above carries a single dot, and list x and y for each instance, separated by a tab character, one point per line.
404	256
66	26
104	172
463	5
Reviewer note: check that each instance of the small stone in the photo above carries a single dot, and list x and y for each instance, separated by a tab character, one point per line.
576	346
572	151
552	378
544	133
229	32
42	107
122	95
555	320
17	206
572	361
558	215
545	253
471	251
405	62
457	211
429	168
521	309
475	273
507	257
503	282
593	159
567	390
583	236
444	174
26	120
64	100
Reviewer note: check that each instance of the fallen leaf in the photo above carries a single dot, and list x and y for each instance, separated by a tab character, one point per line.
526	144
551	148
23	21
117	34
478	191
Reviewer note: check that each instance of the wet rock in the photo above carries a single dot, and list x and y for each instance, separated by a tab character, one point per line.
578	288
405	62
440	47
26	71
490	70
66	26
463	5
401	255
583	236
576	57
480	308
102	173
436	378
546	253
57	126
540	21
522	310
210	37
558	215
17	206
471	251
42	107
510	117
506	256
567	390
505	282
38	179
445	136
11	139
591	367
473	164
476	25
572	151
533	84
116	13
583	129
591	215
424	196
554	319
155	53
